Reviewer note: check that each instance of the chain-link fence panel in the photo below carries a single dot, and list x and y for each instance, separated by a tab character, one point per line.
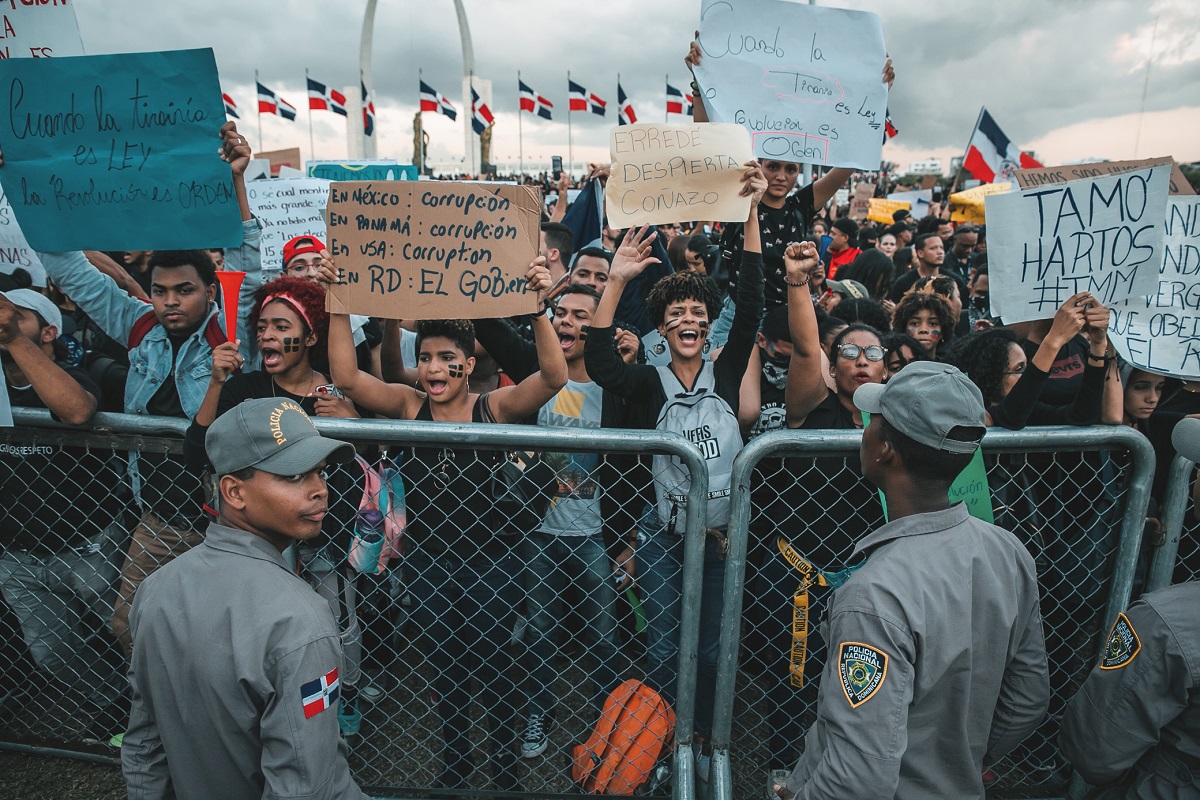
1075	497
1177	558
476	661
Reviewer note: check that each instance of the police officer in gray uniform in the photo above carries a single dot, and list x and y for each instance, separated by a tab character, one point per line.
236	660
936	660
1133	729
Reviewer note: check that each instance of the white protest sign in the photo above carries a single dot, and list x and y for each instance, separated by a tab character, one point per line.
805	80
287	207
675	173
917	200
15	252
39	30
1161	332
1102	235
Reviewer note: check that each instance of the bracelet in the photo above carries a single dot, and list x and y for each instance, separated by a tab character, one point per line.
695	89
1104	360
804	282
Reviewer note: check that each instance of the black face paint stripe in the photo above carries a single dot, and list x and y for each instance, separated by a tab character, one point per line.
455	370
291	345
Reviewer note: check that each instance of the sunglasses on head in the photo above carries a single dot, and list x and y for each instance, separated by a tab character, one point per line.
851	352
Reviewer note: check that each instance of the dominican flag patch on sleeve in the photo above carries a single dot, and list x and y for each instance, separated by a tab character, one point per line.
318	695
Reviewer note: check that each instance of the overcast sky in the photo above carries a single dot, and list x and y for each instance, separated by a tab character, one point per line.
1064	78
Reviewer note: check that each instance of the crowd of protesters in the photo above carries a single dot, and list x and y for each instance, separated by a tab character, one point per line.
781	319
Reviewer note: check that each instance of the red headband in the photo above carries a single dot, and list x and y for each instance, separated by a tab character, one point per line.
295	305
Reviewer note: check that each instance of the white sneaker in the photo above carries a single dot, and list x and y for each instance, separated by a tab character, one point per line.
537	735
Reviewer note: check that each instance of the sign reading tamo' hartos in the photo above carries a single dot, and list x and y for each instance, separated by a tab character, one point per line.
433	250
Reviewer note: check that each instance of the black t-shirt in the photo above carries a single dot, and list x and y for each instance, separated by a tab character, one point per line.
779	227
170	490
772	381
1066	375
55	496
166	402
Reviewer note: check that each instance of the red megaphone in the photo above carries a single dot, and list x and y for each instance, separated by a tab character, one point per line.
231	286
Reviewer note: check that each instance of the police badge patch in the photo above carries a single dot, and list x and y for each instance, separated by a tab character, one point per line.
1122	646
862	669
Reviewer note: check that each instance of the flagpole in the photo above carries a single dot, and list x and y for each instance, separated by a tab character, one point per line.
958	175
421	122
570	140
520	132
618	98
666	114
256	105
312	148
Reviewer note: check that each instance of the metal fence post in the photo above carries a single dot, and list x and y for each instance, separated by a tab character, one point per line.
1162	566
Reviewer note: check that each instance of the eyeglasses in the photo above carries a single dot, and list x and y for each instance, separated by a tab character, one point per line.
851	352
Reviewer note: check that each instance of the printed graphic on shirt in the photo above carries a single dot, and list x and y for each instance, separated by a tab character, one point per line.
1123	645
862	669
318	695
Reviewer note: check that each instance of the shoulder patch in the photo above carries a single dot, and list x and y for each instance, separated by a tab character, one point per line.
320	693
862	669
1122	646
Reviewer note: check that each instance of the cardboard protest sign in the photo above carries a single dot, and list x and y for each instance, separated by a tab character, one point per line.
39	30
287	207
968	206
117	152
861	204
1102	235
675	173
282	158
1160	332
433	250
805	80
881	210
362	170
1031	178
15	252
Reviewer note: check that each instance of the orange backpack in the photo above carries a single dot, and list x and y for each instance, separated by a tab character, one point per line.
635	731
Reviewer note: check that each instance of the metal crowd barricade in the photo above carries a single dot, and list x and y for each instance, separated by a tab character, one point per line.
397	752
1020	460
1172	562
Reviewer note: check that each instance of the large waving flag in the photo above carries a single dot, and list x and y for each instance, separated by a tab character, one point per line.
991	154
481	115
678	102
230	106
533	102
271	103
583	100
625	113
324	98
368	106
434	101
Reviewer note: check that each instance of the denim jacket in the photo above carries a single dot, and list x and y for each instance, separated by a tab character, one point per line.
150	363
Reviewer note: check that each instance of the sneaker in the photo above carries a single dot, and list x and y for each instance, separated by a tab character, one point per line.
370	691
349	718
537	735
776	777
702	752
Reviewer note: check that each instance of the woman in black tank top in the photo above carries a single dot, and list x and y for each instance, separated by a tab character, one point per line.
465	580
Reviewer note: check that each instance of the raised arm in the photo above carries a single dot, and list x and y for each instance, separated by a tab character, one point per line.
514	403
805	388
66	398
603	365
118	273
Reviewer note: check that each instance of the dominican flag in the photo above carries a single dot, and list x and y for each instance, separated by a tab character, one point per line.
481	115
434	101
368	106
230	106
533	102
583	100
323	98
271	103
625	113
319	694
890	129
678	102
991	154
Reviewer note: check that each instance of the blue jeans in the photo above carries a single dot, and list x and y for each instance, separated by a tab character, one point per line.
718	334
660	577
551	564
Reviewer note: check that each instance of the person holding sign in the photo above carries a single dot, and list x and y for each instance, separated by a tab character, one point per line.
682	306
465	579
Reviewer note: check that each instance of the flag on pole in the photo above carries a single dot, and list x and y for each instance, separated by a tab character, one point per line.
580	99
533	102
324	98
368	106
625	112
890	129
481	115
678	102
230	106
271	103
434	101
991	154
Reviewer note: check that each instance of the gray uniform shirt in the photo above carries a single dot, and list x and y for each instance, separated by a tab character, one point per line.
233	664
936	662
1140	707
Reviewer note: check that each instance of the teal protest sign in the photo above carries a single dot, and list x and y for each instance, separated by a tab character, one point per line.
117	152
373	170
970	487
